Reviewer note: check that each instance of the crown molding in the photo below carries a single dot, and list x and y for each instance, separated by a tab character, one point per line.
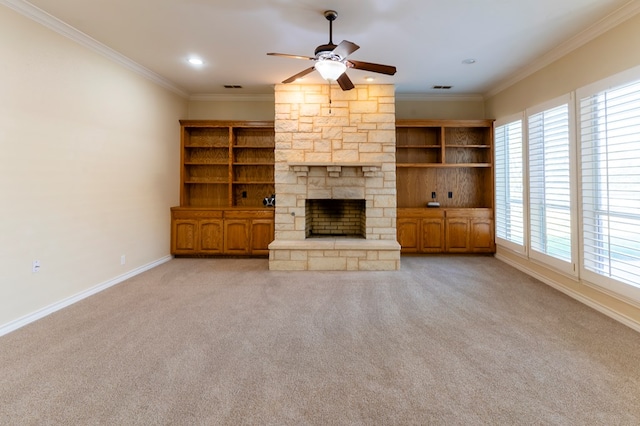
40	16
211	97
426	97
602	26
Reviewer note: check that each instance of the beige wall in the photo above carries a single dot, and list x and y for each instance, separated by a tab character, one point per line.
610	53
225	108
253	108
446	108
88	168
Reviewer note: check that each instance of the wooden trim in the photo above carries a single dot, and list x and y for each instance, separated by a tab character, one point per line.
444	123
227	123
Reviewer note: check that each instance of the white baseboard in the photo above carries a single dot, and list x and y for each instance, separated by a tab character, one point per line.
629	322
41	313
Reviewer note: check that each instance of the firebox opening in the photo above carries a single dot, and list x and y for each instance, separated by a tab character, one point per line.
335	218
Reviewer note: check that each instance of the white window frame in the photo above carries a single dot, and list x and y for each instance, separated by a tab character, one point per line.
615	287
570	267
511	245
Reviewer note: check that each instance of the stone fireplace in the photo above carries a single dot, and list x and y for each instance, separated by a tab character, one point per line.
335	179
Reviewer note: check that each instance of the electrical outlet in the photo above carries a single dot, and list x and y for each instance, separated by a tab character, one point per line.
35	267
244	194
433	195
123	259
450	194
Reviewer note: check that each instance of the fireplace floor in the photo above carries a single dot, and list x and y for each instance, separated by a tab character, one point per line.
354	236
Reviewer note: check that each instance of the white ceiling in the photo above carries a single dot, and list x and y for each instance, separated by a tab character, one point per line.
426	40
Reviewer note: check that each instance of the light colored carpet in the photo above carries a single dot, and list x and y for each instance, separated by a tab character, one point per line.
447	340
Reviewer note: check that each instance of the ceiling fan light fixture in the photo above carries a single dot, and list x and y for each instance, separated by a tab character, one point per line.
331	60
330	70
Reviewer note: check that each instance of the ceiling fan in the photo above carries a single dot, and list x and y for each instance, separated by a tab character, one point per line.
331	60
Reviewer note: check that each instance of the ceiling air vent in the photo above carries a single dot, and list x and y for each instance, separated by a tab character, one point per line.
442	87
232	86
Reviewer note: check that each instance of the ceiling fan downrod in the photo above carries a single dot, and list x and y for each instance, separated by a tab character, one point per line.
331	16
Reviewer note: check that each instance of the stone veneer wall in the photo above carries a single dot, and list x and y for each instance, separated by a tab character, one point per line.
339	150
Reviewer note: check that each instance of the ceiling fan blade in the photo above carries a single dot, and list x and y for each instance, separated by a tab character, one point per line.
291	56
345	82
297	76
345	48
368	66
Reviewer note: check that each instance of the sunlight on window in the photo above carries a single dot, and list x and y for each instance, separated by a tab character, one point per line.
610	129
509	183
550	182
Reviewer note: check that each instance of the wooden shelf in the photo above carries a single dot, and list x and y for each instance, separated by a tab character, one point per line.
252	164
249	182
442	157
193	163
467	146
441	165
219	154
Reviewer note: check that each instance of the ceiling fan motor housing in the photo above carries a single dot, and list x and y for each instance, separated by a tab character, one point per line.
324	48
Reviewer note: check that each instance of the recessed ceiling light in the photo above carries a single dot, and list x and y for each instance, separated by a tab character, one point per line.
369	78
196	61
469	61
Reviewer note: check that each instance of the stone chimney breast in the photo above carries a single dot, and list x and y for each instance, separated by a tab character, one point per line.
335	145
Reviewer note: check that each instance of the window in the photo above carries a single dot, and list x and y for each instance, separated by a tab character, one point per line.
509	184
610	162
550	222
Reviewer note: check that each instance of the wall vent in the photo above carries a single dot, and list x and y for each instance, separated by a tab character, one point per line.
441	87
232	86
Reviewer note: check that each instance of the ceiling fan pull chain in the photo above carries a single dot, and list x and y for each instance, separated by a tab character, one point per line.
329	97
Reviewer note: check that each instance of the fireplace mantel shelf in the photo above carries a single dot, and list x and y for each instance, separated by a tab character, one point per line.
335	169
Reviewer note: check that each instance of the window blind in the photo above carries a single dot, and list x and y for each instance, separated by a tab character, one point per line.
550	183
509	183
610	162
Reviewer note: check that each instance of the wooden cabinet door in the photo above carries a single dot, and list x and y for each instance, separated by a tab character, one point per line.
210	233
457	235
183	236
432	235
261	236
236	236
481	237
408	231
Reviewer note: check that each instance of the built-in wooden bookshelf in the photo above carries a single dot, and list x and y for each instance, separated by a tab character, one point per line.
449	162
226	164
226	173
